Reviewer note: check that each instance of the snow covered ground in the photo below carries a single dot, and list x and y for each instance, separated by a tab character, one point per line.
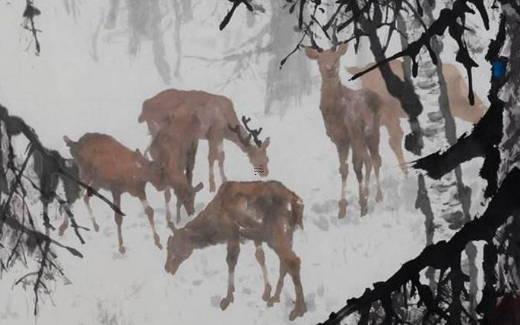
65	92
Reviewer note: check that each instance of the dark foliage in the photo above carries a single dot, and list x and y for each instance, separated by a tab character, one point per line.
24	238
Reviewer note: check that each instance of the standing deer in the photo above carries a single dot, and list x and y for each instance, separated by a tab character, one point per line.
174	147
392	111
104	163
257	211
352	120
218	122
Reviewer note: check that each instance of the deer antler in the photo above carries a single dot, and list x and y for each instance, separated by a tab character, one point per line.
252	132
244	141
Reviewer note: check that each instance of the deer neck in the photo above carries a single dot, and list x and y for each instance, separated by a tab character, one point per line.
331	89
233	137
204	231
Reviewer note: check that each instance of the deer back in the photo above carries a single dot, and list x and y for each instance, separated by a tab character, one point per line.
107	162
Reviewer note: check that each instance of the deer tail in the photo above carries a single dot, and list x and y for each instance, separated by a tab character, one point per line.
296	210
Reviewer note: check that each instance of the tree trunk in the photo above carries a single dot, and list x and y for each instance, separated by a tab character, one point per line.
287	84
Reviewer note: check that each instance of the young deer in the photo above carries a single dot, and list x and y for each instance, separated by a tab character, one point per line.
352	120
104	163
174	147
257	211
218	122
392	111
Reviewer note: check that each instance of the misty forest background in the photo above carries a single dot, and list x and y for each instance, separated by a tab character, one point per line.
72	67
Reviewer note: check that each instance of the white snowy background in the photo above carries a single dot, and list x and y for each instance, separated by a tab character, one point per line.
65	91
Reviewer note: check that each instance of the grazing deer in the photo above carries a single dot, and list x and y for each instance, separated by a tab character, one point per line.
174	147
352	120
104	163
218	122
257	211
392	111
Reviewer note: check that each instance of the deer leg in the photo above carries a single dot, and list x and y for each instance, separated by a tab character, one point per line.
119	220
343	171
395	140
357	160
260	257
279	285
86	199
233	249
221	157
64	225
149	213
289	263
192	154
212	156
178	207
167	198
373	147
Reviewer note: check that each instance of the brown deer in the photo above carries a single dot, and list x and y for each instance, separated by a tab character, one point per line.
352	120
174	147
105	163
217	115
392	111
257	211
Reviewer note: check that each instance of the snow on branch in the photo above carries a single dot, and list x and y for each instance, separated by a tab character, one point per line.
21	237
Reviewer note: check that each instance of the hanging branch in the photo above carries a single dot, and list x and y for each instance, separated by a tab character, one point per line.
29	13
441	255
21	237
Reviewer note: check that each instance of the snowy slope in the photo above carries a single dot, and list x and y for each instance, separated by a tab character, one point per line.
64	91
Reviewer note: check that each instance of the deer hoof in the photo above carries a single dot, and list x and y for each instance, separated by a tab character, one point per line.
212	187
267	293
122	249
272	301
298	311
342	204
379	196
157	241
364	210
224	303
61	231
96	227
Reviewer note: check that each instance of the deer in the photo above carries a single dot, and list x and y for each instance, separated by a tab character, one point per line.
392	111
219	121
352	120
175	147
105	163
258	211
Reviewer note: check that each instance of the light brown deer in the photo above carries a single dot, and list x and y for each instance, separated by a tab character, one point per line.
352	120
257	211
218	122
392	112
174	148
105	163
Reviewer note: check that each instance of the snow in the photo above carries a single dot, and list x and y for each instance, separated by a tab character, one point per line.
65	92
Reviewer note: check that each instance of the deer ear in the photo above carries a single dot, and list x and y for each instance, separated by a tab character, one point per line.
311	53
266	142
342	48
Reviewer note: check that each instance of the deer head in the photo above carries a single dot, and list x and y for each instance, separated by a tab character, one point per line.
328	60
257	152
180	247
185	192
